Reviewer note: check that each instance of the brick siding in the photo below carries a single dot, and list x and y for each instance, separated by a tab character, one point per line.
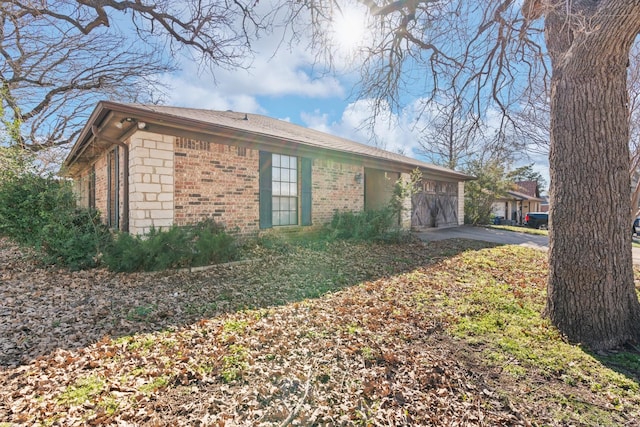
334	188
81	186
182	181
407	208
218	181
460	202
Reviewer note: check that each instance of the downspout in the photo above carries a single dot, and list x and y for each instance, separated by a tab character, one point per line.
125	184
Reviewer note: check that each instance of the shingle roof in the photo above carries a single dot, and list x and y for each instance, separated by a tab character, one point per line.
522	196
528	187
263	125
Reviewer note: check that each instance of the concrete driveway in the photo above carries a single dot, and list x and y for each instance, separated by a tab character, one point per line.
495	236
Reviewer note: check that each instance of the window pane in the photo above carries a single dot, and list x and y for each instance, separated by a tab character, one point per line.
284	186
293	218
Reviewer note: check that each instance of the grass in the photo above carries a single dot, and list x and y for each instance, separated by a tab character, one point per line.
520	229
498	313
154	385
234	363
339	336
83	390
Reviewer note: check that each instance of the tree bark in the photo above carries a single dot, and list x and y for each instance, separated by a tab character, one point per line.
591	294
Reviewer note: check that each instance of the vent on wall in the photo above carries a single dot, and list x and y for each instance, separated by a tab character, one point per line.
192	144
242	151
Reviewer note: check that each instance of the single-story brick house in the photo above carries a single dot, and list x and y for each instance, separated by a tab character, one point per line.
148	166
523	198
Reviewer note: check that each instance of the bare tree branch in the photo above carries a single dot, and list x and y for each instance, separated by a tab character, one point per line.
60	57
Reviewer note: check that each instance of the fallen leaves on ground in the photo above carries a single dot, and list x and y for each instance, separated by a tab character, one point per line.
243	344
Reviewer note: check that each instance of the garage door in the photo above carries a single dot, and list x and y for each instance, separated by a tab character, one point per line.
436	205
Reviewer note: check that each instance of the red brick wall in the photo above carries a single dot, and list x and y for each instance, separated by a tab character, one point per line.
334	188
82	183
216	180
221	181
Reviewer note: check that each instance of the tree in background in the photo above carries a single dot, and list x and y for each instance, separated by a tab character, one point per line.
480	194
452	134
483	49
526	173
60	57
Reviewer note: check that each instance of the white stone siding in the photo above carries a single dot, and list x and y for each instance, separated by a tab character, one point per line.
152	182
405	215
81	190
460	202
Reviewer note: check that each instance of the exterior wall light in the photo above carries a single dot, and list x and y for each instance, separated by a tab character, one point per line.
358	178
120	124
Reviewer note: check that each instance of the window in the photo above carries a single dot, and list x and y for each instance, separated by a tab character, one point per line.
113	187
92	188
284	190
282	180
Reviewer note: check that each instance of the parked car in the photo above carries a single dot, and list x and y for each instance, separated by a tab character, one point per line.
537	220
636	227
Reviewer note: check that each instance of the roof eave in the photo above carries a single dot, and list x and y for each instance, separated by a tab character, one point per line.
103	109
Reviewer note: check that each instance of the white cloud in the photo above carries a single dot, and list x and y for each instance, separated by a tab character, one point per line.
240	89
276	70
196	93
390	131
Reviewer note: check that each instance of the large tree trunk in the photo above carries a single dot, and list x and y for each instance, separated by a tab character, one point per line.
591	295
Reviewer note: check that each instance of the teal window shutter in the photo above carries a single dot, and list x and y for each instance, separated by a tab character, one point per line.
305	202
265	190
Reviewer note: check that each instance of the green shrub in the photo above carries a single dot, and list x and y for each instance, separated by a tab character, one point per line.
212	244
15	161
74	239
28	203
365	225
126	253
201	244
40	212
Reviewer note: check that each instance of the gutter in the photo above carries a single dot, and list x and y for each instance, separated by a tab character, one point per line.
146	113
125	148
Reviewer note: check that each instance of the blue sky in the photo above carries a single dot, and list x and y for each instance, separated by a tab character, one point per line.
288	86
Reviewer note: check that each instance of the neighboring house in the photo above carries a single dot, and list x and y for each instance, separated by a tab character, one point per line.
544	205
148	166
522	199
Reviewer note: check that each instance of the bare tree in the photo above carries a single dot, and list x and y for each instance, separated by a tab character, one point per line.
490	51
451	135
60	56
634	129
532	123
455	135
